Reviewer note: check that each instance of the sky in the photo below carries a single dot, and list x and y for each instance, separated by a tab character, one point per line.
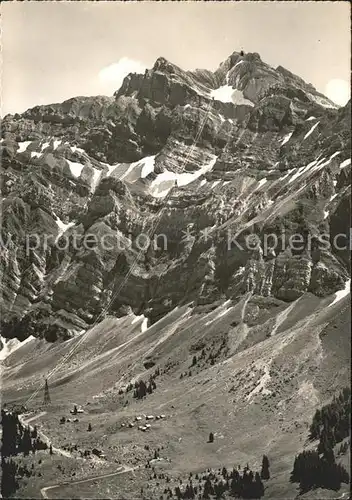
52	51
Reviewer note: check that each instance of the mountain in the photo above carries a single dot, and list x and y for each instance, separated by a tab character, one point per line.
242	178
272	154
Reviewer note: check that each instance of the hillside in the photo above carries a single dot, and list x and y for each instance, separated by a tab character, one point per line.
237	320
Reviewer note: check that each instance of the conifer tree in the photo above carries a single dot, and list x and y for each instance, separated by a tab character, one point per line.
264	473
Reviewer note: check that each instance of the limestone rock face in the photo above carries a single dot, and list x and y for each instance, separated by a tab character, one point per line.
148	199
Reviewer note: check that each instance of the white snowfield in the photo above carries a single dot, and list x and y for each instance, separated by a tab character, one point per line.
166	180
286	138
238	63
22	146
335	154
310	118
147	165
322	101
62	226
143	320
9	346
342	293
313	166
74	149
215	183
96	176
226	93
261	183
345	163
311	130
76	168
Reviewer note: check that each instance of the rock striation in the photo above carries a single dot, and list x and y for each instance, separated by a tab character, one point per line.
215	158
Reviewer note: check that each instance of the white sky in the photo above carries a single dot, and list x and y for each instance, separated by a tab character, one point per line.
56	50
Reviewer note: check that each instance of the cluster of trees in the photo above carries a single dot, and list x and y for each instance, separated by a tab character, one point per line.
9	483
10	471
318	468
16	439
311	470
211	358
332	422
140	388
239	485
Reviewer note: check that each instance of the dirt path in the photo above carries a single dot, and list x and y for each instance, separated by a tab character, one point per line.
44	437
25	422
125	469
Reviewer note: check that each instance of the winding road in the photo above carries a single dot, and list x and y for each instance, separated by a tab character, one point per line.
125	469
59	451
122	470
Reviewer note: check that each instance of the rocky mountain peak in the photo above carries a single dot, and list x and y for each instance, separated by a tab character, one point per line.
246	149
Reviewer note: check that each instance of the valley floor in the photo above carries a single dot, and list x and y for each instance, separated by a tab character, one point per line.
253	383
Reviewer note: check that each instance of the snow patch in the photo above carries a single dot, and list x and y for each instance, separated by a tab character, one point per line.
286	138
22	146
57	143
215	183
76	168
226	93
296	175
326	214
322	101
310	118
261	183
148	166
335	154
261	387
96	176
223	94
35	154
342	293
145	166
239	99
12	345
311	130
74	149
238	63
345	163
166	180
221	311
144	322
45	145
62	226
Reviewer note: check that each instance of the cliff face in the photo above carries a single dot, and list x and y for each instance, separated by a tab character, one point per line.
253	151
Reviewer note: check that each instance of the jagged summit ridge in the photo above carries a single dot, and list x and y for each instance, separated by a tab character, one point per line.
272	153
